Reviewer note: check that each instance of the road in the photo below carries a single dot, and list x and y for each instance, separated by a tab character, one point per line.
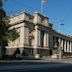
47	67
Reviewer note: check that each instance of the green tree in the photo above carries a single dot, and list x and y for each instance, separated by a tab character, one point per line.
6	34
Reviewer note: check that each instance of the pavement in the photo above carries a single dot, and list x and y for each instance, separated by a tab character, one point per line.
62	60
43	60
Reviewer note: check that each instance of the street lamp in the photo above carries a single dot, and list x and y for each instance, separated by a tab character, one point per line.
60	48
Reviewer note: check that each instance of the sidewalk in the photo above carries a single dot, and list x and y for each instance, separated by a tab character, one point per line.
44	60
63	60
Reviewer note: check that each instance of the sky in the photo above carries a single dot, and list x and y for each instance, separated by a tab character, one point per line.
58	11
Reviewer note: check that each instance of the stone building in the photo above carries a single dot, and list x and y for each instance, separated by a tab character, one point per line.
37	36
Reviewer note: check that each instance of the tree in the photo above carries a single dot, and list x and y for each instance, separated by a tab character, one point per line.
6	34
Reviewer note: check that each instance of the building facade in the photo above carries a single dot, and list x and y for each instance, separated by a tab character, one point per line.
37	36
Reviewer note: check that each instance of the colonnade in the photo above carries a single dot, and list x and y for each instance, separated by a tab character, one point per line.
38	40
49	41
65	45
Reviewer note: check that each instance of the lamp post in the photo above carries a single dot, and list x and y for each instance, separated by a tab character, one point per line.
60	48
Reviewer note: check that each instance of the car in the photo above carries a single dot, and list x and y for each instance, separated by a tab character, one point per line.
18	56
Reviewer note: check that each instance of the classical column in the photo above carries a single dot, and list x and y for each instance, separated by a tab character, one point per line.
45	43
24	35
37	39
22	30
46	40
65	46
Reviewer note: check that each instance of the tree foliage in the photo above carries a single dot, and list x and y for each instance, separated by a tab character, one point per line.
6	34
